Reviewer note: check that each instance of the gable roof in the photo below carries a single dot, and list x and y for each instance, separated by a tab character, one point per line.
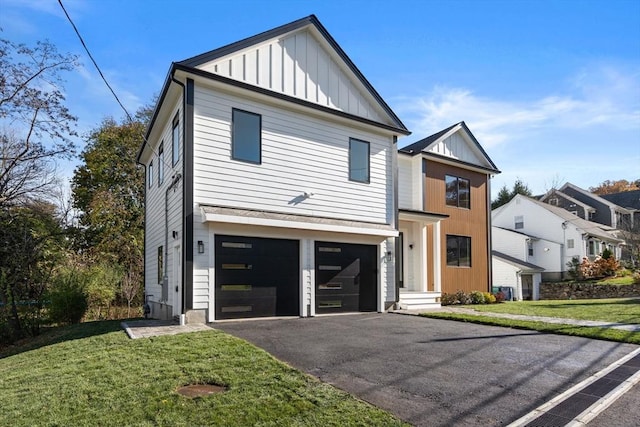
592	196
516	262
589	227
567	197
626	199
310	21
426	145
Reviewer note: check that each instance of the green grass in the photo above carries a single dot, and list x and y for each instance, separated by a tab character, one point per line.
580	331
625	280
618	310
93	374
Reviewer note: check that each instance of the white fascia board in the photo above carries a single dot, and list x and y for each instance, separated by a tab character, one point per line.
269	222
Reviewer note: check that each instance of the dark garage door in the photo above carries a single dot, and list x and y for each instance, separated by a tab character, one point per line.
256	277
346	277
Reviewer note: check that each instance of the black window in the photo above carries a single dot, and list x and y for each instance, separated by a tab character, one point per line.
530	247
175	141
458	251
358	160
150	174
161	164
457	192
160	264
246	136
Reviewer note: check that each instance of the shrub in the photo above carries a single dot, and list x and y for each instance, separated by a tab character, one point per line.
448	299
636	277
67	298
500	297
489	298
462	298
573	268
476	297
606	254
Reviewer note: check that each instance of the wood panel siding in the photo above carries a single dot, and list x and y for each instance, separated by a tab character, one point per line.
299	65
300	153
471	222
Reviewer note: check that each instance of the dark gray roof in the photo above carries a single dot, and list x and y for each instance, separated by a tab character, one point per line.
516	261
626	199
417	147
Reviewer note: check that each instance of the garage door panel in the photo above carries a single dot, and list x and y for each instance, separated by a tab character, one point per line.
256	277
346	277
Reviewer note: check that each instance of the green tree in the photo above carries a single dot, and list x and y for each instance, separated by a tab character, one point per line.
108	190
31	245
504	195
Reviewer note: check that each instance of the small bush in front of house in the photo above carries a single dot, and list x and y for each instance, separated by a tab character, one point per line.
573	268
500	297
476	297
489	298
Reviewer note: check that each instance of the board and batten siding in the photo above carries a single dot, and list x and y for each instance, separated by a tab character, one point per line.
155	216
298	65
300	153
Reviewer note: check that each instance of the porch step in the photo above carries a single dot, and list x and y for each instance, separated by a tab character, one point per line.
419	300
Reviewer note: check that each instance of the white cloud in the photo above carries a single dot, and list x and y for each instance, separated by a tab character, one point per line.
602	96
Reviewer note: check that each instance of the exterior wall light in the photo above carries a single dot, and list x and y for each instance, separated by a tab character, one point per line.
200	247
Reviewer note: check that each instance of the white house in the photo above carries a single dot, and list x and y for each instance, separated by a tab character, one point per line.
564	234
270	183
518	260
523	278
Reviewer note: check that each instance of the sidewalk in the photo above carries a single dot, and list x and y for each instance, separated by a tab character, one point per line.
557	320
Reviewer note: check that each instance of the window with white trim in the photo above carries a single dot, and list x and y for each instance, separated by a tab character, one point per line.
518	222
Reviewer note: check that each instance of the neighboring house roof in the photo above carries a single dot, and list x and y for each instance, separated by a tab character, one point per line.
593	228
593	196
518	232
426	144
626	199
523	265
567	197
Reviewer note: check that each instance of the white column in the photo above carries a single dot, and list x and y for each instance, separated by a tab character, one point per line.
424	268
437	262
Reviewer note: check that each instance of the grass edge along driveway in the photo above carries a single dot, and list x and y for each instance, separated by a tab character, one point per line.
621	310
93	374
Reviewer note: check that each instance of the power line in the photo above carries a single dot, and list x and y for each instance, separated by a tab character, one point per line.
94	61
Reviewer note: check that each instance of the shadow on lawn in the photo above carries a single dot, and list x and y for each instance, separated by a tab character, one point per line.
55	335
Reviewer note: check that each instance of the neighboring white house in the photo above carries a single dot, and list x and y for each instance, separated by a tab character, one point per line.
522	277
563	233
519	259
270	183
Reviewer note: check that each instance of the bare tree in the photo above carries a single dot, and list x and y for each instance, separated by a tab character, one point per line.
37	126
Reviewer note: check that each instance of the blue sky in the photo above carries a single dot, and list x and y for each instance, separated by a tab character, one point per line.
551	89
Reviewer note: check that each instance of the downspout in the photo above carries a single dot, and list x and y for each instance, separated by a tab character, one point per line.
165	279
184	104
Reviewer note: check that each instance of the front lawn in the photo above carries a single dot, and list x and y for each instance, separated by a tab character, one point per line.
619	310
609	310
93	374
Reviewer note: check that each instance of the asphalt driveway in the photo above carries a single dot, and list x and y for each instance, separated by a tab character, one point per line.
433	372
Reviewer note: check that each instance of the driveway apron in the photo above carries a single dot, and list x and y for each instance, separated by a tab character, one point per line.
432	372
